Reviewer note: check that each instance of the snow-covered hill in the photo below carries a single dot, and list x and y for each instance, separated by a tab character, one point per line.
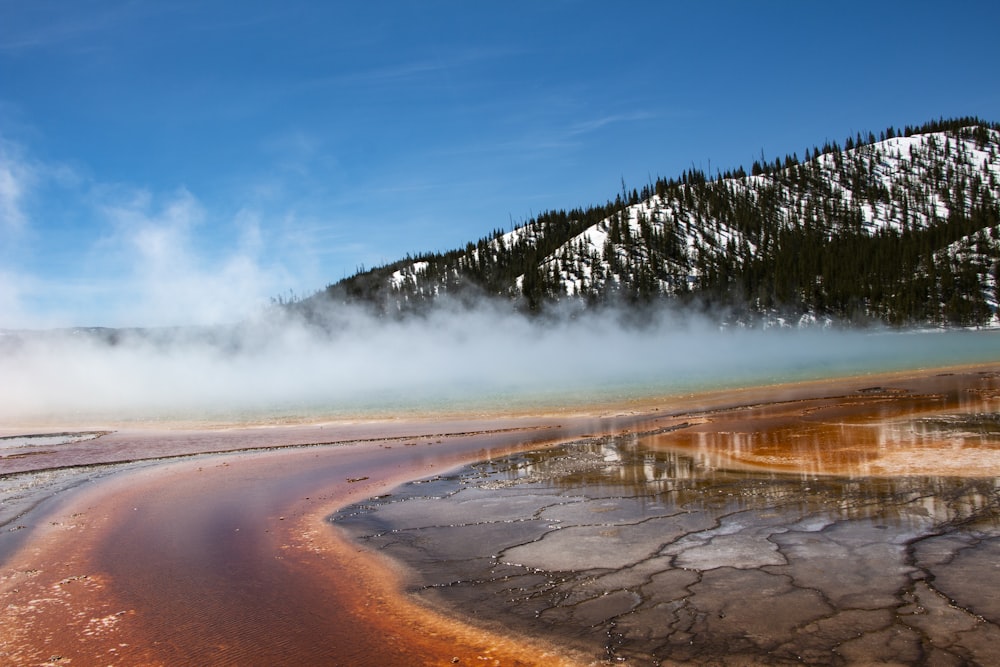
903	228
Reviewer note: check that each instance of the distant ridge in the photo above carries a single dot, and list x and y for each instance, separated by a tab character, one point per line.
902	229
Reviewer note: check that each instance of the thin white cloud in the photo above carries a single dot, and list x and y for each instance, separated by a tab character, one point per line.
595	124
414	71
41	25
293	149
11	299
16	178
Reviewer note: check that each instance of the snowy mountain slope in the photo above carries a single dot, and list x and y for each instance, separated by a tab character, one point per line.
893	184
869	230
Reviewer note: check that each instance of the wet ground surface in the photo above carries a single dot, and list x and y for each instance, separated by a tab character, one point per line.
181	558
830	523
36	465
681	545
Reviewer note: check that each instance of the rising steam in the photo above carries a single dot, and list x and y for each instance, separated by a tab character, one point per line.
483	359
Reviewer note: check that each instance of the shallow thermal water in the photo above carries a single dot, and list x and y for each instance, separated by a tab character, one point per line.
626	548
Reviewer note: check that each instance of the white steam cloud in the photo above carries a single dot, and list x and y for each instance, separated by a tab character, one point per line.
481	360
78	251
142	258
167	279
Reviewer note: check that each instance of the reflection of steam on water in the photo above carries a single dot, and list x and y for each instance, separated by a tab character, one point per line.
478	359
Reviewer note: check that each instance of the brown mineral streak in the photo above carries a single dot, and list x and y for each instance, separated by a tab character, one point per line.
228	560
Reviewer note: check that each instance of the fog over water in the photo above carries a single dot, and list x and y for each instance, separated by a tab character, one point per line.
481	360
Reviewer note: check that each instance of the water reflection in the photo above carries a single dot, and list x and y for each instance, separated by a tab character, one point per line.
757	534
878	431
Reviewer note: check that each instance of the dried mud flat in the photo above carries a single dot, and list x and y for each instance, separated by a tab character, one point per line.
855	529
828	523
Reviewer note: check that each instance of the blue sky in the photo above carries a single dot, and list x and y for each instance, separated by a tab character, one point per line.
183	162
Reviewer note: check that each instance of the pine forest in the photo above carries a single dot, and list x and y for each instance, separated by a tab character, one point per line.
899	229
